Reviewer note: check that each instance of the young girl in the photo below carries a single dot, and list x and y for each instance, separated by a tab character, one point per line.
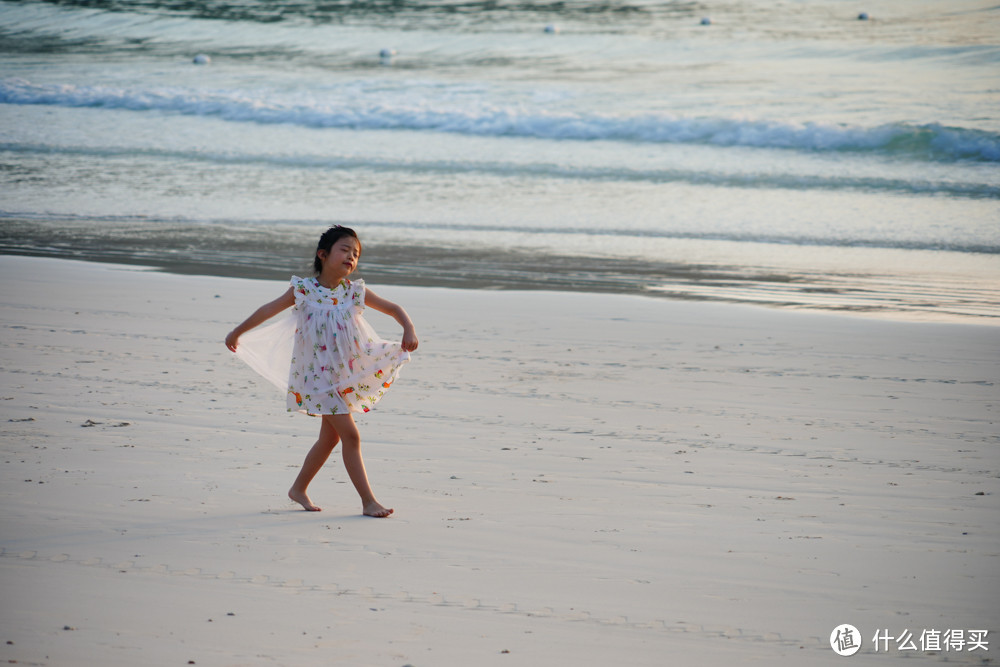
339	366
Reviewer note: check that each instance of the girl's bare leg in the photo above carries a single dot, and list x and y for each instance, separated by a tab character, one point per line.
315	459
349	435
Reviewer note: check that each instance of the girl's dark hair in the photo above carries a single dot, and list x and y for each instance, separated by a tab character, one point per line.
330	237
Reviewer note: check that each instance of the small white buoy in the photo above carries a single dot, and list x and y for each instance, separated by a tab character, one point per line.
706	21
552	28
201	59
863	16
386	55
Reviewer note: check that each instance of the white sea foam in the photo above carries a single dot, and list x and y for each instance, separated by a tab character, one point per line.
932	141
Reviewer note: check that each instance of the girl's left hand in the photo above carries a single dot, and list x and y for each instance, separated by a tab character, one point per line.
410	341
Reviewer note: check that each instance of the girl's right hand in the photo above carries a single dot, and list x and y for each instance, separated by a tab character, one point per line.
232	340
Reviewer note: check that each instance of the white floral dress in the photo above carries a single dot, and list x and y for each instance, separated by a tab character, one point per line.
338	363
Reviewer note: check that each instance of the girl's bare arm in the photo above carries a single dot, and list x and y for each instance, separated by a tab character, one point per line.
396	312
261	315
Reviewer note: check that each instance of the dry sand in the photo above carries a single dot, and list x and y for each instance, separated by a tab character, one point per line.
578	480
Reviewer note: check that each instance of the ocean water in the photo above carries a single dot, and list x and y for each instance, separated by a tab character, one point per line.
786	152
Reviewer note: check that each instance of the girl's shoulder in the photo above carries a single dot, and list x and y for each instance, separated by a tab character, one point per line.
308	290
303	285
355	291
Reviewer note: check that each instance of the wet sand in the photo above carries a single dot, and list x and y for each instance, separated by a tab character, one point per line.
891	283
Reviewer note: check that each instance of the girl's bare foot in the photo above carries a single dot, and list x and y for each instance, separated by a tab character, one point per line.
375	509
302	499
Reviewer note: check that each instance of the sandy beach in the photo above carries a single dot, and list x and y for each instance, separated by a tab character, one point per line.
577	479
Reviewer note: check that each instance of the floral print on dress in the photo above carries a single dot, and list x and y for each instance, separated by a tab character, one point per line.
339	364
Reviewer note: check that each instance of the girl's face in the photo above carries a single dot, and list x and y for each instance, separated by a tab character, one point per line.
343	256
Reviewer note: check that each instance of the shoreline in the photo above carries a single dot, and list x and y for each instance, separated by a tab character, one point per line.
940	292
577	479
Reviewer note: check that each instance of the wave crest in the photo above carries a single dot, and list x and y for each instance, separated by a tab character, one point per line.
930	141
